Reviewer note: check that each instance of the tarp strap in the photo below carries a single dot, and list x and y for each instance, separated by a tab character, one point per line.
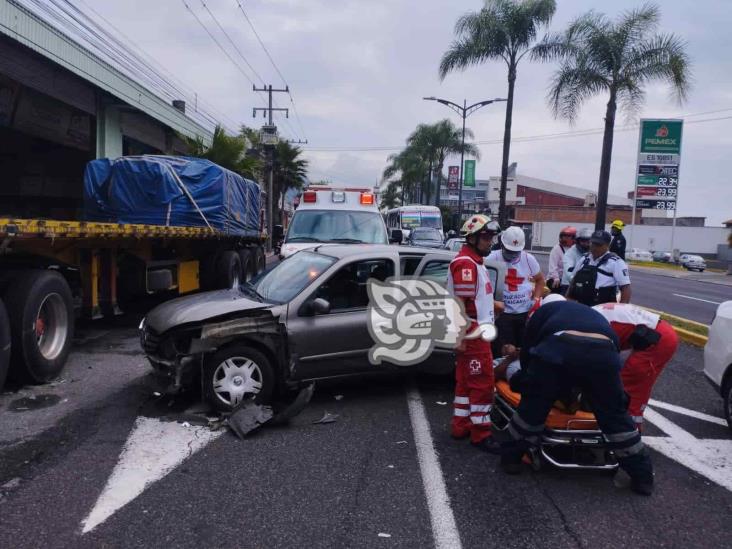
188	194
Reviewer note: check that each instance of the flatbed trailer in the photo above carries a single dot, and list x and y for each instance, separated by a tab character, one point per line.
53	272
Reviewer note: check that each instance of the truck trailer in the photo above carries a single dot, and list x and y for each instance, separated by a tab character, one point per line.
150	224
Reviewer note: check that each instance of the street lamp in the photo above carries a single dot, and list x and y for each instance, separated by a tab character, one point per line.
464	112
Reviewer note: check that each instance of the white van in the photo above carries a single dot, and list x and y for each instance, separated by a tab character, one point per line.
326	214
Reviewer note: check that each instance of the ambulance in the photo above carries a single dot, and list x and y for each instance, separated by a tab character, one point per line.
333	215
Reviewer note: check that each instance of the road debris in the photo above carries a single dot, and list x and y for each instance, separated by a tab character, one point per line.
157	394
441	403
390	466
338	397
384	535
11	484
295	407
327	418
249	417
185	424
401	442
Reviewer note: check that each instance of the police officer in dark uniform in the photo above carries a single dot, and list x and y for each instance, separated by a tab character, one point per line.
617	246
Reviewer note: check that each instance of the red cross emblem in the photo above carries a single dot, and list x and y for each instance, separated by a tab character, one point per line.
513	280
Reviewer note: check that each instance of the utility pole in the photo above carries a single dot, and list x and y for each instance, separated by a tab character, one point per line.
464	111
269	135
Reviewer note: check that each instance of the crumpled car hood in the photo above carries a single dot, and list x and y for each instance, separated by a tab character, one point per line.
200	307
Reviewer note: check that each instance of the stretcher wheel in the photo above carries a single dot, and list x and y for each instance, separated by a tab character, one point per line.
535	457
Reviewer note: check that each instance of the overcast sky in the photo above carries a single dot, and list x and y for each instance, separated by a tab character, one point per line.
358	70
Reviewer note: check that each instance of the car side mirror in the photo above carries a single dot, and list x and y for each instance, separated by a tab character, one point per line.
395	236
317	306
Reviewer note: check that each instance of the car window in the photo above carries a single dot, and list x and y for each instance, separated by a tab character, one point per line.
290	277
346	289
409	264
436	270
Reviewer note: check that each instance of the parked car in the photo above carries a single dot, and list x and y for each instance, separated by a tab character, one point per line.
425	237
662	257
683	258
637	254
695	263
304	319
718	356
454	244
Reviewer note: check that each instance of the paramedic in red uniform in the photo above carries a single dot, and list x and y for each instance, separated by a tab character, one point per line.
653	342
468	281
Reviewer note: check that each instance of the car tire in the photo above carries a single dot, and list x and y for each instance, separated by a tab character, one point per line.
228	270
39	301
216	378
247	260
727	396
4	344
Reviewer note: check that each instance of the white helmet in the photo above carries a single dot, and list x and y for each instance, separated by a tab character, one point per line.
552	298
513	239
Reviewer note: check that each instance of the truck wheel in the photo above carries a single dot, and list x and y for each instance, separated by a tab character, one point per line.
247	264
261	260
228	270
41	310
4	344
235	374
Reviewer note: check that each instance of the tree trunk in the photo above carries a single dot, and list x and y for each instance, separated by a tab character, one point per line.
502	213
439	182
428	194
607	153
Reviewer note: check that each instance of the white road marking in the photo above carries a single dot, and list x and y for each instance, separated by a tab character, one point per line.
711	458
444	529
685	411
698	299
153	449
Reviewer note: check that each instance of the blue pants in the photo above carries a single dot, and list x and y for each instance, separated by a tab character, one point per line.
561	362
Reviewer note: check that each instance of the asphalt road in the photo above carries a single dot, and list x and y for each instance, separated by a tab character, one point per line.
384	474
686	298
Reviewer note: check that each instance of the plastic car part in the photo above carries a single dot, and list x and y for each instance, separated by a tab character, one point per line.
249	417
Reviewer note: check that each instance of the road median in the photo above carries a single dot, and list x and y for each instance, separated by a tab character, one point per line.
689	331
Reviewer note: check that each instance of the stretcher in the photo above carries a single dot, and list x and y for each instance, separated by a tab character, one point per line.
569	440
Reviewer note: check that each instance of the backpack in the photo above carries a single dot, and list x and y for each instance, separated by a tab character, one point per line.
585	281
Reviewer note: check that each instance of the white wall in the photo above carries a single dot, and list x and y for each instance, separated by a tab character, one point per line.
700	240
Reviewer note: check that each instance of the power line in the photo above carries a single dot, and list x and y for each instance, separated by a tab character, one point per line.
276	68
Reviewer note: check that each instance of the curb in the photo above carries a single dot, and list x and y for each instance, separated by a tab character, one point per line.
686	336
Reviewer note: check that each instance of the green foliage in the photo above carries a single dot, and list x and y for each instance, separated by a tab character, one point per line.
446	213
390	197
227	151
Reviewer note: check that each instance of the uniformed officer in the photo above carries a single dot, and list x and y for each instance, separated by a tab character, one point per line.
617	246
599	274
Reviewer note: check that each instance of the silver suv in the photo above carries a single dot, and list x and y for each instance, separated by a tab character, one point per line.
304	319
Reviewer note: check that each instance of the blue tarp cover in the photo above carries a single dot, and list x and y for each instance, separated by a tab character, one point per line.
143	189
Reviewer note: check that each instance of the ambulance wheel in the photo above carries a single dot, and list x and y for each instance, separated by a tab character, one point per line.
4	344
228	270
41	309
247	259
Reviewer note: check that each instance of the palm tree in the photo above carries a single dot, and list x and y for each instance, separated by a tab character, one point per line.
227	151
503	30
598	55
390	197
290	170
410	166
435	143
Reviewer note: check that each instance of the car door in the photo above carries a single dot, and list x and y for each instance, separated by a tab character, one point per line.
337	342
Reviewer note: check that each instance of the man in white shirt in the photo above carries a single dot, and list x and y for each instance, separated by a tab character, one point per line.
523	286
599	274
580	248
556	258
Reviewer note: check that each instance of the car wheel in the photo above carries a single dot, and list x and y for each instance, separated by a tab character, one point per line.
228	272
727	395
40	306
4	344
236	374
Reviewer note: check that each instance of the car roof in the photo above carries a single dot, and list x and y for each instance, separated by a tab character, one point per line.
345	250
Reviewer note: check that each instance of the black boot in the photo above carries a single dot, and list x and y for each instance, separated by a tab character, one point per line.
640	470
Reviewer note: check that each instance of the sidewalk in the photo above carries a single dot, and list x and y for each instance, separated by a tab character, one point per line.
712	278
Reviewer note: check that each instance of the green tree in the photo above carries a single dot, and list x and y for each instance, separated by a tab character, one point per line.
436	142
290	170
390	197
407	169
502	30
227	151
617	58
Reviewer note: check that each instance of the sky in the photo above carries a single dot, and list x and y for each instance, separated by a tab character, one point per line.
358	70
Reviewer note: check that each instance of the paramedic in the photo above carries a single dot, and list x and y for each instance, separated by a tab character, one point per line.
468	280
570	345
556	258
653	342
599	274
522	290
580	248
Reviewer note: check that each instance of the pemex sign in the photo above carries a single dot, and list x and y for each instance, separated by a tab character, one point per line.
657	173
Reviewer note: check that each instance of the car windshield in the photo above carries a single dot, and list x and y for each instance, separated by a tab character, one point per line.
290	277
412	220
427	234
337	226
